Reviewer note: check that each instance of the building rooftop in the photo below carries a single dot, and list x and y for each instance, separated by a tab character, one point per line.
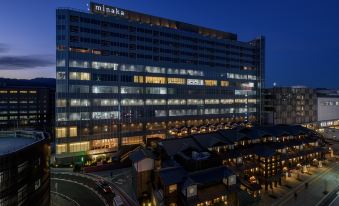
107	10
13	141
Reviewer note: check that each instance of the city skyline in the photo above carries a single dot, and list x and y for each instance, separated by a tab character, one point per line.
293	46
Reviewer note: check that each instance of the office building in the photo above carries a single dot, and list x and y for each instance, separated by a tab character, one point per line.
24	168
27	107
212	168
125	77
289	105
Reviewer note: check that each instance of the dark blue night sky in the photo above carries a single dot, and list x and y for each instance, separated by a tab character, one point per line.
302	37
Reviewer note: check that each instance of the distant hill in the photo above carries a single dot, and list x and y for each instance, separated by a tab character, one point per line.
37	82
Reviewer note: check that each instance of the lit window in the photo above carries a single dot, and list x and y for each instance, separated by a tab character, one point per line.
224	83
155	80
105	115
105	102
138	79
211	82
176	81
80	64
195	82
176	102
155	102
132	102
79	146
132	140
79	76
104	89
151	69
172	188
61	103
61	148
104	65
61	132
80	102
73	132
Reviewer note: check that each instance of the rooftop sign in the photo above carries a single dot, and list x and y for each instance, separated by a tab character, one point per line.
107	10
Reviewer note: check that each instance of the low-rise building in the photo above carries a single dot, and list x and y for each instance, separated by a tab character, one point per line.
211	168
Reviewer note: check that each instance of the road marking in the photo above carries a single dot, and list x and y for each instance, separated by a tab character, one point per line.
79	183
66	197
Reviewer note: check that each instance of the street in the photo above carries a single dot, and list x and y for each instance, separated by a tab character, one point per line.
82	189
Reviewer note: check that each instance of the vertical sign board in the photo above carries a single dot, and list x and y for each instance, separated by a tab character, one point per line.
107	10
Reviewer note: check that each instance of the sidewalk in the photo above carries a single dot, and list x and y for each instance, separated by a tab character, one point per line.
279	194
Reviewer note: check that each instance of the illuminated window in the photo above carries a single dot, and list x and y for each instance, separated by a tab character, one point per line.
79	146
132	140
104	89
132	102
80	64
138	79
80	102
227	101
105	143
172	188
195	82
155	102
61	148
160	113
224	83
151	69
155	80
211	82
60	103
79	50
131	90
105	115
195	101
79	76
131	68
61	116
13	92
211	101
156	90
104	65
60	132
176	81
3	92
73	131
23	92
176	102
105	102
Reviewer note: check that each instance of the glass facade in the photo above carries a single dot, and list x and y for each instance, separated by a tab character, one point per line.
114	73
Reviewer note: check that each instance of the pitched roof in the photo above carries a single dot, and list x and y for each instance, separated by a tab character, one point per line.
174	146
172	175
141	154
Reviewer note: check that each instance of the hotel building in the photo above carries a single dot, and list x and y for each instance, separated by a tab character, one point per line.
124	77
